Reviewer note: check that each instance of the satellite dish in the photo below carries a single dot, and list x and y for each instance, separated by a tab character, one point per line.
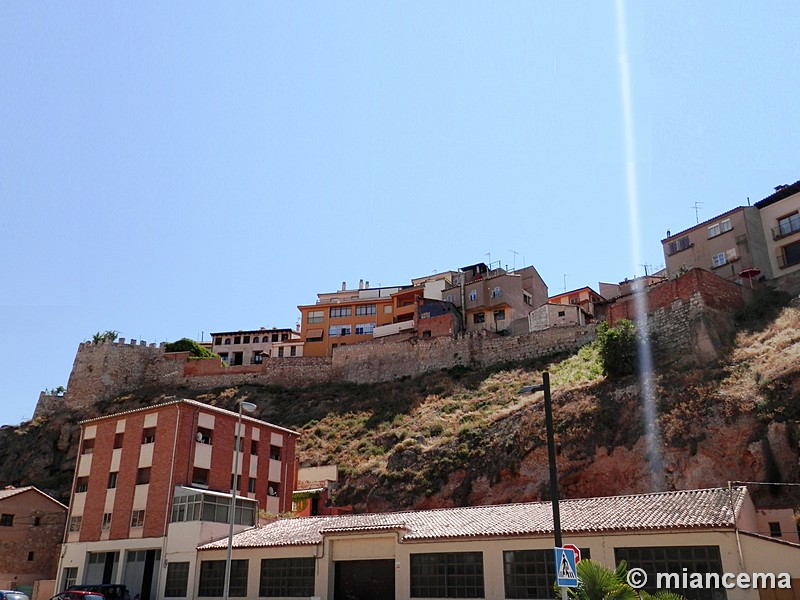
271	491
199	437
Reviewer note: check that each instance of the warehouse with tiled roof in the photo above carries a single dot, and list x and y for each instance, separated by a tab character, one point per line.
503	551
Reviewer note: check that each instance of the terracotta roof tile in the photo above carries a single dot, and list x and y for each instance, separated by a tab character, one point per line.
660	511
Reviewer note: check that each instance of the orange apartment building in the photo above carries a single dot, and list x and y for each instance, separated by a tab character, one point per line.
152	484
780	216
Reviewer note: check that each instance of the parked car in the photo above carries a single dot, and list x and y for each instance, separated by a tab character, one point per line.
13	595
78	595
112	591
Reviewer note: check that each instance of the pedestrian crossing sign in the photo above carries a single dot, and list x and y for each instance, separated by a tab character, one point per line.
566	573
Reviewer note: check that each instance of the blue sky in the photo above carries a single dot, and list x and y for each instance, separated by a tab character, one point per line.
166	172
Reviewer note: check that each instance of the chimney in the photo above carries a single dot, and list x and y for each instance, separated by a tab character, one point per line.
361	284
366	285
344	286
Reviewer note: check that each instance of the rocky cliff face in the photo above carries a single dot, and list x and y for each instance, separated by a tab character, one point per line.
465	436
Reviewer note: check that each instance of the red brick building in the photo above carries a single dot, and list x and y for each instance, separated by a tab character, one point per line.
153	483
31	526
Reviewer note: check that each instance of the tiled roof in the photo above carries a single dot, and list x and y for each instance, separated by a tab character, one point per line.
690	509
14	491
779	195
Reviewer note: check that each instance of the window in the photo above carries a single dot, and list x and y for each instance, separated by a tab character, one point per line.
227	341
6	520
527	298
450	298
447	575
69	577
177	580
203	435
387	309
106	524
339	330
246	339
530	573
478	318
366	309
149	435
497	292
118	437
678	245
714	230
718	260
426	334
790	256
223	356
75	524
256	339
275	452
293	351
143	476
186	508
787	226
251	485
212	576
775	529
345	330
237	339
473	295
199	476
81	485
137	518
272	489
365	328
725	225
316	337
280	352
218	341
37	521
255	358
88	446
286	577
112	480
284	337
30	555
673	559
253	446
500	315
574	300
341	311
562	313
274	337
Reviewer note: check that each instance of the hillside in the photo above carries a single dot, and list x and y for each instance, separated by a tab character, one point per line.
464	436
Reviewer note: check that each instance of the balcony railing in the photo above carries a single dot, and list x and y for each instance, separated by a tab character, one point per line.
786	228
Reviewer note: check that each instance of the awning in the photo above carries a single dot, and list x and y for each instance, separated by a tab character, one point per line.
314	333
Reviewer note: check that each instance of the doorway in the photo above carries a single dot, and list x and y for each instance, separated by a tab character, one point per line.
364	580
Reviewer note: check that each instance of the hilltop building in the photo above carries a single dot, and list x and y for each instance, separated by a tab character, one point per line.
492	299
152	484
780	217
251	347
31	528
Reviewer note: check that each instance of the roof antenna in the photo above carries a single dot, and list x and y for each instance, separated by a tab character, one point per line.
696	213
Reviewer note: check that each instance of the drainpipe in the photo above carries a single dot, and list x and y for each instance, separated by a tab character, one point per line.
463	304
736	528
168	512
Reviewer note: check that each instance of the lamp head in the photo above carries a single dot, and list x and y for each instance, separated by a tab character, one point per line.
247	407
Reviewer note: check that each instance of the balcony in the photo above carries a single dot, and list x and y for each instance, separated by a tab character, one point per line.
786	227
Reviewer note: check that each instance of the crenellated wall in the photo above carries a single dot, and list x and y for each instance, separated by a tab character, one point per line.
689	320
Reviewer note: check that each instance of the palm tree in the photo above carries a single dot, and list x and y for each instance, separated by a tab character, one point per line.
598	582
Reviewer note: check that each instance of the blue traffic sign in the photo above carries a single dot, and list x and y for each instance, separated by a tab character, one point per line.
566	573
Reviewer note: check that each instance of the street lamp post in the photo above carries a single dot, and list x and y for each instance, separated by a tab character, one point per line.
551	450
237	447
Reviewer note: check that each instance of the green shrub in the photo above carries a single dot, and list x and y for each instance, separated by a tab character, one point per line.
193	348
617	347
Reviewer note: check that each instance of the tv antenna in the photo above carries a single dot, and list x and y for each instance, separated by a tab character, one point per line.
696	207
514	252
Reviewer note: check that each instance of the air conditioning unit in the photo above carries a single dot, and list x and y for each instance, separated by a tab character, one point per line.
731	255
